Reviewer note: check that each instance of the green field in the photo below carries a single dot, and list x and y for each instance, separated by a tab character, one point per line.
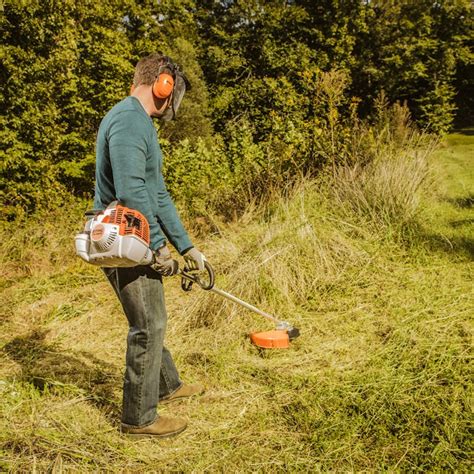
379	378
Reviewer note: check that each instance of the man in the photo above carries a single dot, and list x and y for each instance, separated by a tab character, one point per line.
128	169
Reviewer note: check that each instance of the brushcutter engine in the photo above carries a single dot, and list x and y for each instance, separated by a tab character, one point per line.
115	237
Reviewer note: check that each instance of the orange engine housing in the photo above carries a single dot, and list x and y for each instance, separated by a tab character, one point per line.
130	222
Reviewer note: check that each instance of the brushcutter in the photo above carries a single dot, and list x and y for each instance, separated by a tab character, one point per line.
280	337
120	237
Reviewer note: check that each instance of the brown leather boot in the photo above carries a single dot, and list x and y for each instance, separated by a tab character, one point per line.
163	427
184	391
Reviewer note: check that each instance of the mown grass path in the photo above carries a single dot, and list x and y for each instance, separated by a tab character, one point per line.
379	378
454	212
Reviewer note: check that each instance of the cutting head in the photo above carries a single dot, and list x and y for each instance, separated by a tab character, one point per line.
276	339
279	338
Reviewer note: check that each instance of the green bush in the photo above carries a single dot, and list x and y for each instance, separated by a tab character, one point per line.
437	108
197	175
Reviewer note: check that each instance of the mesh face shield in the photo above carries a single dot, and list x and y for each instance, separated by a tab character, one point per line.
181	85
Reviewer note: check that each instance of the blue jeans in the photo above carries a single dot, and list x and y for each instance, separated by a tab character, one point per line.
150	372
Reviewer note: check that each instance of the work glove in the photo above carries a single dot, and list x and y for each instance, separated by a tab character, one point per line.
194	259
163	263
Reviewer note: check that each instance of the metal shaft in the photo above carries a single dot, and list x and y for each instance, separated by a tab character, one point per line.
245	304
209	286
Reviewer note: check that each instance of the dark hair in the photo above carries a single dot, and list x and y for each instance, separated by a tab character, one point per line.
147	69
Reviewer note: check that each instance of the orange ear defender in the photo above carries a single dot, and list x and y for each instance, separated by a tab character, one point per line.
163	86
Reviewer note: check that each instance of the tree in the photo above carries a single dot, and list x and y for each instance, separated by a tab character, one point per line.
411	51
64	63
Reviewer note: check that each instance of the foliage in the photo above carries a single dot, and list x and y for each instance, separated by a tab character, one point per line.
197	175
411	51
278	87
64	63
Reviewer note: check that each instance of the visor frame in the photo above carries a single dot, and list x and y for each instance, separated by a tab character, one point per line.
180	87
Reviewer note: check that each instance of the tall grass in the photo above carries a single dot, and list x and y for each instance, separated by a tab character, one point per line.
388	190
321	233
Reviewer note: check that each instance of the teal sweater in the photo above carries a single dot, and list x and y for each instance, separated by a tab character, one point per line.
128	169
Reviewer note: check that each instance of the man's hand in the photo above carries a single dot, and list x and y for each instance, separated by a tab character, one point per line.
164	264
194	259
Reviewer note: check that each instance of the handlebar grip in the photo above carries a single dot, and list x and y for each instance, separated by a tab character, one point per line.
188	279
210	272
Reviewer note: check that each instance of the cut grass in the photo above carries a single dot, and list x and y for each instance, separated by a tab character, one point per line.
453	212
379	379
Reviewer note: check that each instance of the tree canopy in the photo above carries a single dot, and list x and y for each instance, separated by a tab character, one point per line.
255	67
